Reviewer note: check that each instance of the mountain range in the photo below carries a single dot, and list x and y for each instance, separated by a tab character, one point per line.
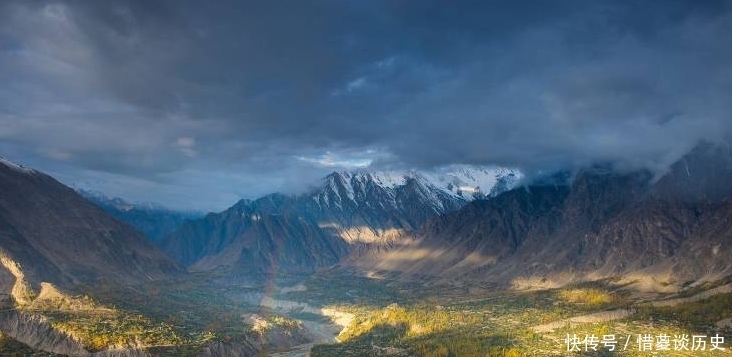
348	214
603	223
153	220
595	223
654	231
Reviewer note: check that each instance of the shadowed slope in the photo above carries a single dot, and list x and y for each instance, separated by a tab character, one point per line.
55	235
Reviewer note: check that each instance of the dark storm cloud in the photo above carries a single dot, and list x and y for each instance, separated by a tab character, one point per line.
224	99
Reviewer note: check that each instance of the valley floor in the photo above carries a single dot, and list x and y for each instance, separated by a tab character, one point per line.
337	313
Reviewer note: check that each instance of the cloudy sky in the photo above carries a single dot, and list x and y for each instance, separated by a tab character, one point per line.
195	104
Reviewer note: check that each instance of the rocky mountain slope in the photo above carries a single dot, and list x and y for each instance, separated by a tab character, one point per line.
48	233
349	213
154	221
603	223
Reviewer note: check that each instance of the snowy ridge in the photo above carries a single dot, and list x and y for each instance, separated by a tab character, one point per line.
391	179
471	182
462	183
466	181
429	193
16	167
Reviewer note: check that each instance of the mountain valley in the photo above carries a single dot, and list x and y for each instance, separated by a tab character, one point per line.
369	264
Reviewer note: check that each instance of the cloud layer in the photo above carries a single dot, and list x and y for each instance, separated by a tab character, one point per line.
196	103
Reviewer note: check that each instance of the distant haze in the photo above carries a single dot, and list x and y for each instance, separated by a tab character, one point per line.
196	104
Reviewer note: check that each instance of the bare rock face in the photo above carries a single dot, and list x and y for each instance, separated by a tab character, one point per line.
252	238
37	333
703	175
14	287
222	349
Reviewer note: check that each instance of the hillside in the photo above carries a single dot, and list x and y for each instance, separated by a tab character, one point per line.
48	233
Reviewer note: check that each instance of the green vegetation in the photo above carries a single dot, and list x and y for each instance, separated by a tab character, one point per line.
337	287
595	298
98	331
389	317
426	331
171	319
699	316
502	323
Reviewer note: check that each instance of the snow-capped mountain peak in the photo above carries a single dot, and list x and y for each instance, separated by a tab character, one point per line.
461	181
473	182
458	183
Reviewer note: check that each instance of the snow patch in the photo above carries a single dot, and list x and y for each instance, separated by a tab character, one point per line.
391	179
